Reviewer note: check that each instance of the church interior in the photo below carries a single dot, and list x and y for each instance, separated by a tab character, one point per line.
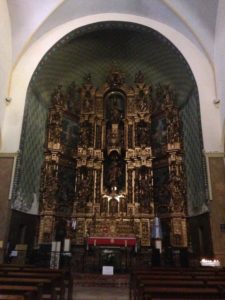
112	138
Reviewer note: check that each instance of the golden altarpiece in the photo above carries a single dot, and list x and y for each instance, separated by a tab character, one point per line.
113	161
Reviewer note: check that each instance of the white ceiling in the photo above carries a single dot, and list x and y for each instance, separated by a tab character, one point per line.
30	19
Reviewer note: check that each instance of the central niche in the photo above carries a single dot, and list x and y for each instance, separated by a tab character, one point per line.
114	172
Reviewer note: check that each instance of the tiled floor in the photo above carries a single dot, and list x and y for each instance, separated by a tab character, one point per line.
100	293
91	286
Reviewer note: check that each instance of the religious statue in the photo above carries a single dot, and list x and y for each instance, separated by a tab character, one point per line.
114	173
87	102
116	114
113	206
177	192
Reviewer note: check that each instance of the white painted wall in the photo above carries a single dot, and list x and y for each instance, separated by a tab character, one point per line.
26	17
201	67
195	19
5	60
219	60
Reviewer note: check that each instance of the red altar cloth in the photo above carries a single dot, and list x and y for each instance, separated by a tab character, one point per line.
111	241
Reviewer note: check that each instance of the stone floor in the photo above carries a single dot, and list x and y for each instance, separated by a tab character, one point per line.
99	287
100	293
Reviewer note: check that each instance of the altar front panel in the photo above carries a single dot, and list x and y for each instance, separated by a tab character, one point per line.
111	241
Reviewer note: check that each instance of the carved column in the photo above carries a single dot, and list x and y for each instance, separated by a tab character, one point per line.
49	174
176	184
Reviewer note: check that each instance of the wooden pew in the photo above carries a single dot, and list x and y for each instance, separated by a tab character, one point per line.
35	291
48	285
186	275
68	280
165	283
26	296
149	276
57	277
148	293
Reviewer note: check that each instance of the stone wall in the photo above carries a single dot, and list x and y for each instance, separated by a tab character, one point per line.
6	170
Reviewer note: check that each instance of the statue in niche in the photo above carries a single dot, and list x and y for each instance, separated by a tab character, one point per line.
173	133
62	194
123	205
115	134
83	136
113	206
55	134
112	135
143	134
104	205
81	202
142	102
130	105
65	192
145	193
114	172
56	118
161	191
163	194
69	134
86	138
87	102
116	115
85	187
144	181
177	192
114	108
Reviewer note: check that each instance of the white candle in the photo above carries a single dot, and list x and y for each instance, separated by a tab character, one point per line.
67	245
53	247
158	245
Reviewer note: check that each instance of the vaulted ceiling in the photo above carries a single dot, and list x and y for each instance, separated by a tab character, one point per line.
95	48
30	19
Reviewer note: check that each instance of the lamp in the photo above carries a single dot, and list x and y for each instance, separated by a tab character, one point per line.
8	99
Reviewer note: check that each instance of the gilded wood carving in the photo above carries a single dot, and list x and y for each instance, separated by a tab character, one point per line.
113	159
